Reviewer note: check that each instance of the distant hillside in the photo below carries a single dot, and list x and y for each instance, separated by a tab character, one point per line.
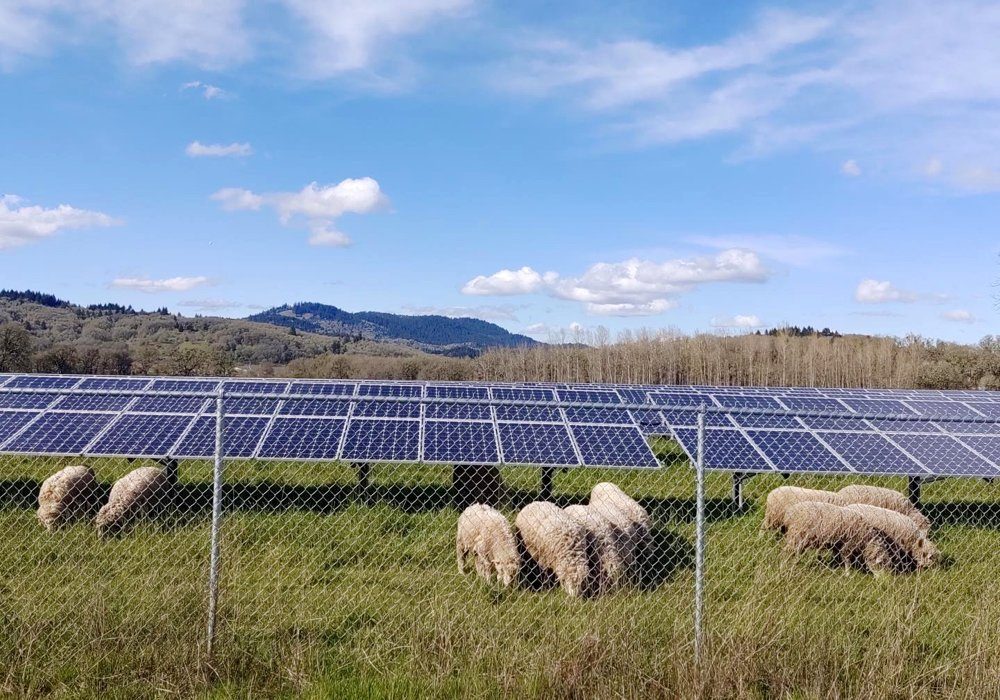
456	337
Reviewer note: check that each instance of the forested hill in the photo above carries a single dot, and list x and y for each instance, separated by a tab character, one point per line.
438	334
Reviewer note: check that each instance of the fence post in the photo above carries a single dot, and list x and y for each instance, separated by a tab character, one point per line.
213	563
699	538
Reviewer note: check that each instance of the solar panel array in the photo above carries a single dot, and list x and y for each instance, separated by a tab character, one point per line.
785	429
319	420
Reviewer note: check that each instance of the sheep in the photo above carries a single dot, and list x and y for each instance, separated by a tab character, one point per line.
914	548
485	533
608	570
132	497
784	497
625	513
886	498
827	526
558	544
67	495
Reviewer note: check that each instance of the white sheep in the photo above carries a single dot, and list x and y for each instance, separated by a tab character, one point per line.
133	497
485	533
836	529
886	498
624	512
915	547
608	571
67	495
561	547
784	497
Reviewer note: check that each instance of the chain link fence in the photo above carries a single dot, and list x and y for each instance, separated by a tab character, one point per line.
278	576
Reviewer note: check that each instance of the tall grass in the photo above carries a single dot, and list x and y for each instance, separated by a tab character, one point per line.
328	592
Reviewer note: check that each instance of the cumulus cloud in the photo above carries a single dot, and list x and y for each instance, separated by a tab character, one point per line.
318	206
737	321
152	286
629	288
21	224
197	149
959	316
850	168
871	291
209	92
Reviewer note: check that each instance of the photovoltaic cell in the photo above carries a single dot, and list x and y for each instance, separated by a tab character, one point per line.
317	407
529	414
249	406
435	391
987	446
588	396
171	404
725	450
141	435
194	385
746	401
410	390
241	435
536	443
877	406
29	381
27	400
458	411
613	446
460	442
328	389
873	454
12	421
942	409
382	440
387	409
60	433
255	387
945	455
94	402
759	420
303	438
113	384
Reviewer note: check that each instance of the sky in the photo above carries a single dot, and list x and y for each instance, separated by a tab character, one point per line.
551	167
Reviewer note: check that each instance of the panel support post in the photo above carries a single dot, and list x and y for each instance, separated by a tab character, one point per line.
545	487
913	490
364	475
738	479
213	560
699	539
171	468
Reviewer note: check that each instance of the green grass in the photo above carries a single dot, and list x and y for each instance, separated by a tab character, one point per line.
326	593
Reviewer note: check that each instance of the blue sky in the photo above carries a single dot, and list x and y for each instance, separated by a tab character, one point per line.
550	167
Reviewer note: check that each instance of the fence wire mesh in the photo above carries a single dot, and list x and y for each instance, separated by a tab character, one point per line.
413	578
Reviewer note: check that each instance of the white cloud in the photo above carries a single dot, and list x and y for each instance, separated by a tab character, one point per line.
932	167
630	288
902	81
209	92
505	282
346	37
197	149
959	316
850	168
21	224
737	321
211	304
501	312
871	291
151	286
319	206
792	250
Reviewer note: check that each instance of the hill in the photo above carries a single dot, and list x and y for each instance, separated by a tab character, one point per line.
455	337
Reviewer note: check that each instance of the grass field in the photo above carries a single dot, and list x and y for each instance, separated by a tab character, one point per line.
326	593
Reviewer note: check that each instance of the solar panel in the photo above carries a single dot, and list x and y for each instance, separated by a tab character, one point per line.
303	438
536	443
873	453
382	441
460	442
794	450
725	450
12	421
94	402
945	456
59	433
612	445
241	435
27	400
141	435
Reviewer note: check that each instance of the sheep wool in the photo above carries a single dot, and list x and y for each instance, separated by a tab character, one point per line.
560	546
133	497
67	495
484	533
828	527
917	549
607	571
624	512
784	497
886	498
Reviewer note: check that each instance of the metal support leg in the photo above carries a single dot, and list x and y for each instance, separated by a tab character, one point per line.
364	476
738	479
913	490
545	488
171	468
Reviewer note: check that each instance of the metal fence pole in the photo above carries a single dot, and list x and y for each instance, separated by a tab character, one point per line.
213	564
699	539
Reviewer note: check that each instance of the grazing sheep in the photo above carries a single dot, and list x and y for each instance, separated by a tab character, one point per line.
625	513
608	571
485	533
133	496
67	495
915	549
561	547
886	498
784	497
829	527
